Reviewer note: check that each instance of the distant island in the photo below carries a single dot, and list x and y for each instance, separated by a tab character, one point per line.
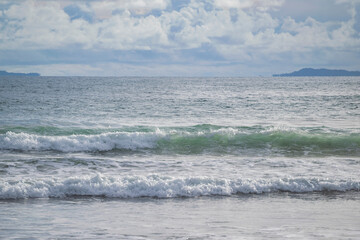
308	72
5	73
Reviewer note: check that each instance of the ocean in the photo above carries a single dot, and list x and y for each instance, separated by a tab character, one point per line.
179	158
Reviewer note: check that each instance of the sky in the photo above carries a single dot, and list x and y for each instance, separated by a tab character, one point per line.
220	38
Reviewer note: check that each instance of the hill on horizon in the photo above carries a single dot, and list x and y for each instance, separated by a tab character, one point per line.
308	72
5	73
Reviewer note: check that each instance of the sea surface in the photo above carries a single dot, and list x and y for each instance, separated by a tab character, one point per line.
179	158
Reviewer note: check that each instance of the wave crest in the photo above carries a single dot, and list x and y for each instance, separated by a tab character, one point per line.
78	143
164	187
190	140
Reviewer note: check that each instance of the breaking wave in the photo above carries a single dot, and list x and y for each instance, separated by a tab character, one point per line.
163	187
186	140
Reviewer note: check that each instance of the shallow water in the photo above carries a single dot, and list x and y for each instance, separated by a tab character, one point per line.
274	216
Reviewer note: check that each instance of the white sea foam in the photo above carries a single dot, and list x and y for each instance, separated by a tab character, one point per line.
77	143
163	187
98	142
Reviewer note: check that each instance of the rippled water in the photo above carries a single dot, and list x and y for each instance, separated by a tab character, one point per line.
220	139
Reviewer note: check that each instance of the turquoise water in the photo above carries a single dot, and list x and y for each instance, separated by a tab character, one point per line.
190	140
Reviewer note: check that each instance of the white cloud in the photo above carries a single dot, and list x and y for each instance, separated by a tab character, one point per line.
104	9
44	25
125	32
238	30
40	24
262	5
33	26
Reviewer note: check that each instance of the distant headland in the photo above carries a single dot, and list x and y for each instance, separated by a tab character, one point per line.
5	73
308	72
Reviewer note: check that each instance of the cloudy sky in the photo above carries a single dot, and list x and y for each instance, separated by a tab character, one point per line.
178	37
